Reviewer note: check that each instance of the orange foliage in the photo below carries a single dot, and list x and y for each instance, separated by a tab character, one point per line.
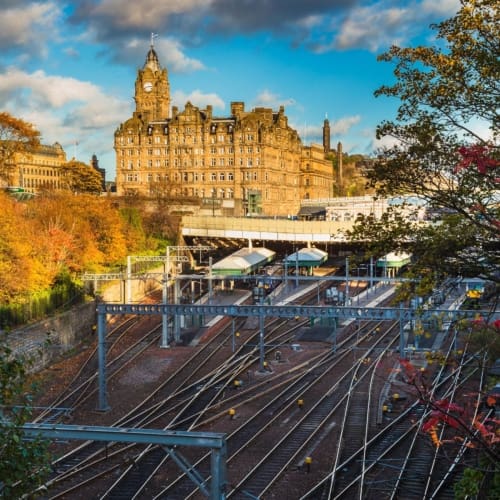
54	233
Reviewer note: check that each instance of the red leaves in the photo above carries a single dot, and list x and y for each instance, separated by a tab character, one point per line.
476	156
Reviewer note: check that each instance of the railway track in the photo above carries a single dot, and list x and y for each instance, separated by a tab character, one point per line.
340	391
89	453
396	462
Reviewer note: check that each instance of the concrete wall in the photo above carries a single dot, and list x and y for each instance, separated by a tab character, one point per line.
269	229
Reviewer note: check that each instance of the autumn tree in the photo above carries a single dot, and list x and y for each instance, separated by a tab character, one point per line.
79	177
16	137
21	263
443	146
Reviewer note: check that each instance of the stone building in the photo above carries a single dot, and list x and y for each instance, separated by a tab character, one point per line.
247	163
39	169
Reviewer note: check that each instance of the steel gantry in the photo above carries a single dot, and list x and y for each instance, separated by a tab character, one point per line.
163	278
401	314
168	440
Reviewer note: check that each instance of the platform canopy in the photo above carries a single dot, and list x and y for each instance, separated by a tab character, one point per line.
394	259
244	261
307	257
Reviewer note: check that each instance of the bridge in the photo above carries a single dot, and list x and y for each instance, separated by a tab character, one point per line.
265	229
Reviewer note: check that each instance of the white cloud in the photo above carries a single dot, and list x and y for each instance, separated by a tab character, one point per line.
268	99
314	133
64	110
170	52
443	8
374	27
197	98
29	26
380	24
343	125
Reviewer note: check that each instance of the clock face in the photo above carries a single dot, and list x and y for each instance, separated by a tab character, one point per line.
148	86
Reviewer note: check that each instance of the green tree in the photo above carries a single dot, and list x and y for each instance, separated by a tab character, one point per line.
16	136
79	177
24	464
444	145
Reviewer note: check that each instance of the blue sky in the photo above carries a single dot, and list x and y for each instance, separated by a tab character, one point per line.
69	67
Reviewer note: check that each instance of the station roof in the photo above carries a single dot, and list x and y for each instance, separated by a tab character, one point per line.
244	261
394	259
307	257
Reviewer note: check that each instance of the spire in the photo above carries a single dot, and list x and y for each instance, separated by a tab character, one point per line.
152	58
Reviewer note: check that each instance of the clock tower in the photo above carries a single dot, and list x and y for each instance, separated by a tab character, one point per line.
152	90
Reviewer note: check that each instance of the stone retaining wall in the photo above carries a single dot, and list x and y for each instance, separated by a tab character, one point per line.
45	341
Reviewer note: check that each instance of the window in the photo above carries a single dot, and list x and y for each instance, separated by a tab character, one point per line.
213	162
222	176
221	162
213	176
230	176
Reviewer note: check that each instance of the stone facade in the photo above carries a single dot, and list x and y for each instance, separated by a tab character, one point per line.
39	169
247	163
